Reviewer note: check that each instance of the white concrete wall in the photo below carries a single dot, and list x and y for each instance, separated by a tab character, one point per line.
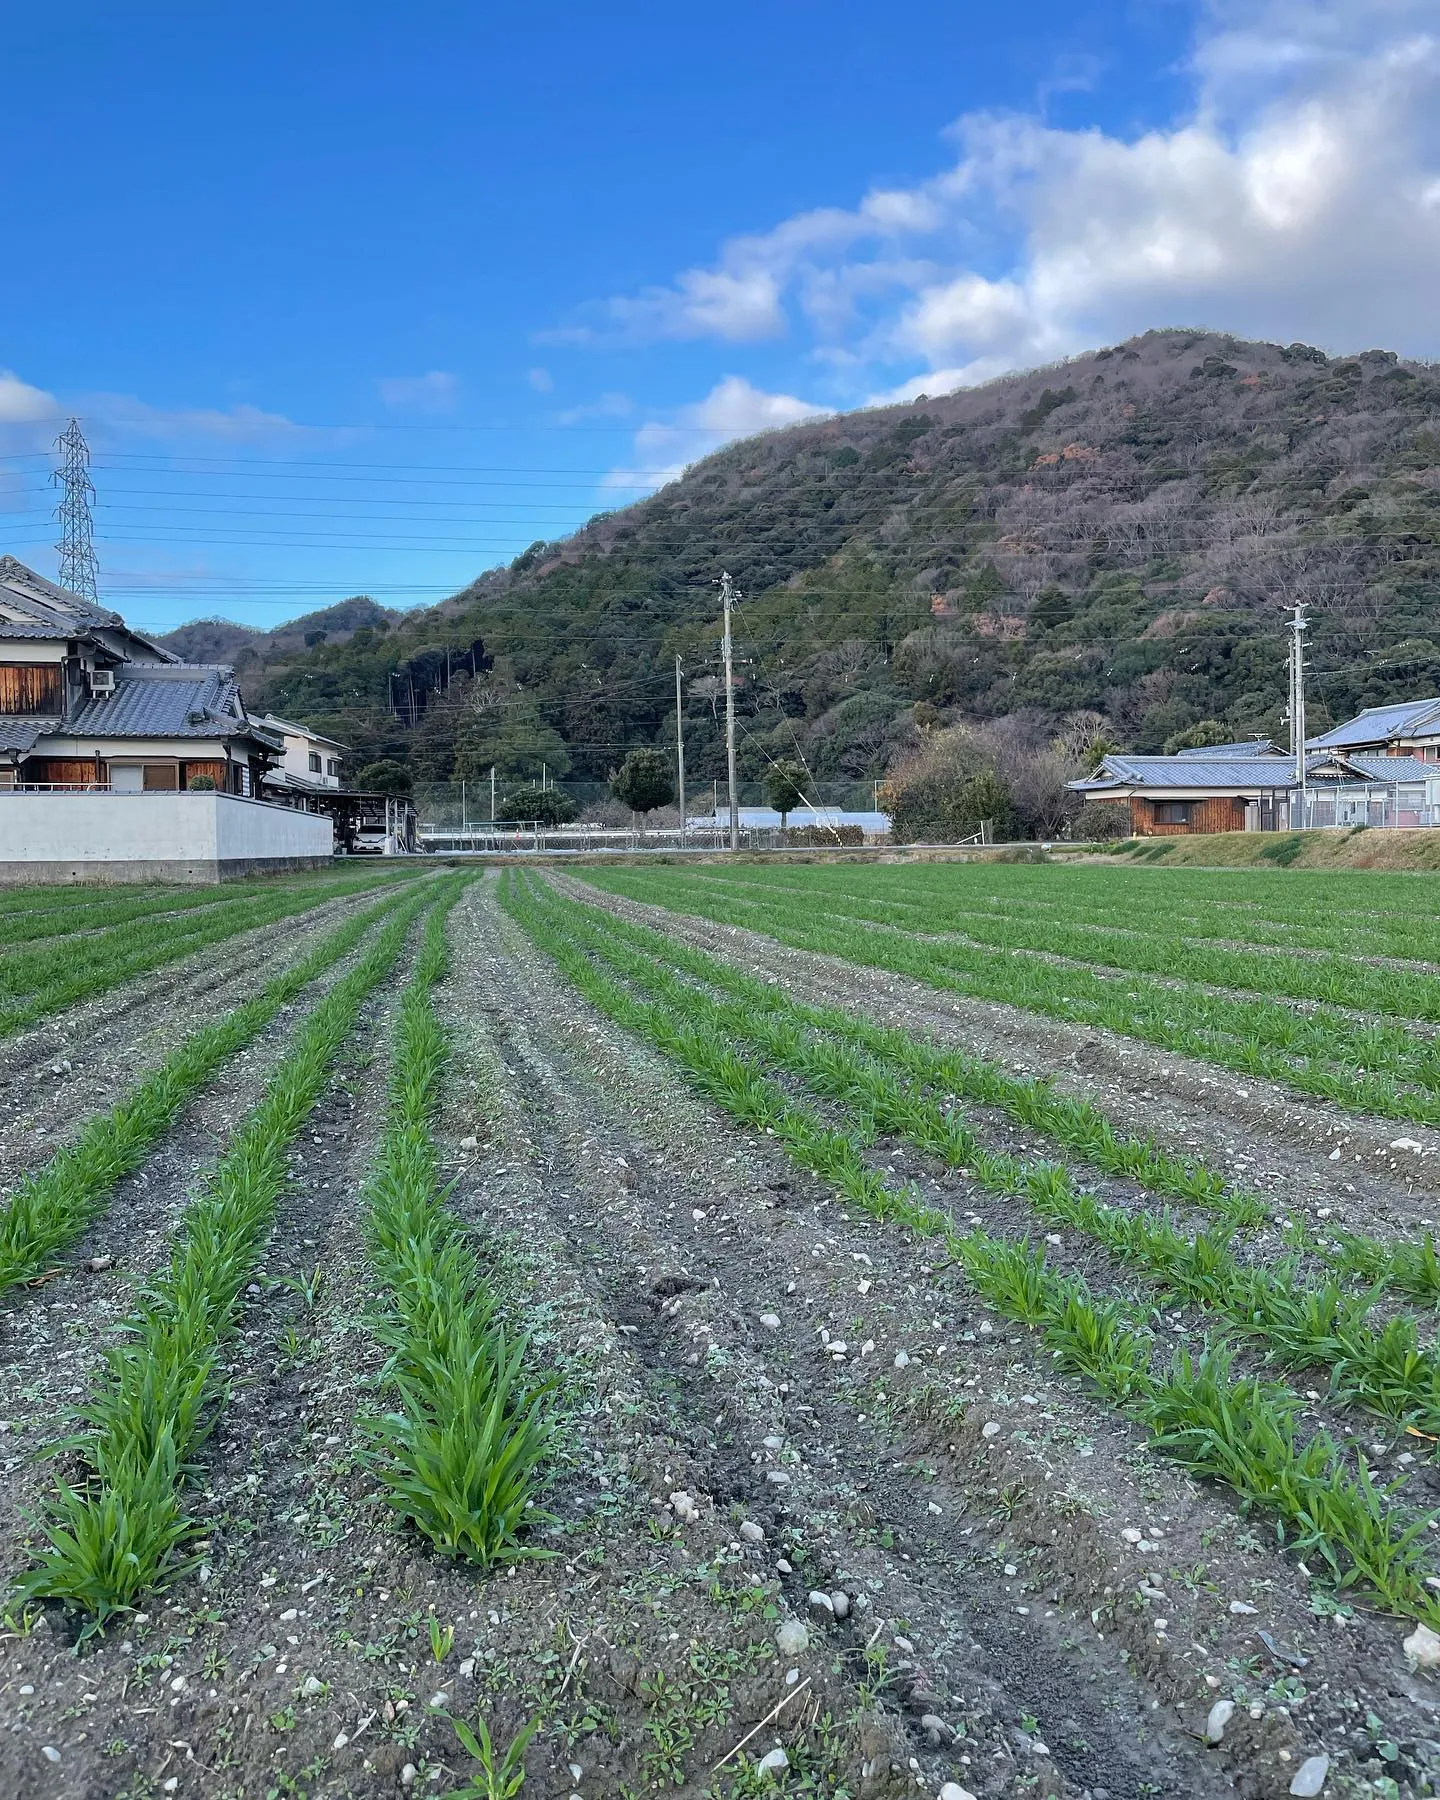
212	833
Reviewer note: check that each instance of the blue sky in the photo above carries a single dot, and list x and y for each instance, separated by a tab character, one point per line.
364	299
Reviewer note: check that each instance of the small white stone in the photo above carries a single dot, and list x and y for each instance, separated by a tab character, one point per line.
751	1532
439	1700
341	1740
1422	1648
1131	1535
990	1429
408	1774
821	1602
902	1361
1310	1776
840	1601
773	1762
1221	1713
771	1321
792	1639
1243	1606
311	1686
50	1753
952	1790
684	1507
697	1213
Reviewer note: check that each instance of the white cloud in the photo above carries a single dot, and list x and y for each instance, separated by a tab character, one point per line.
1296	196
732	409
21	404
432	393
541	380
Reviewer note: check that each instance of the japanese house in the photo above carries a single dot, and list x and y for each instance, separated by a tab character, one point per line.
85	702
1253	787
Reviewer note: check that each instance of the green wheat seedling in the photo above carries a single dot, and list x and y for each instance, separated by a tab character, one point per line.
51	1209
124	1530
497	1776
461	1450
1239	1430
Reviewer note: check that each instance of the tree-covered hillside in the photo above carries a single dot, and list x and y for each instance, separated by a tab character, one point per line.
1119	536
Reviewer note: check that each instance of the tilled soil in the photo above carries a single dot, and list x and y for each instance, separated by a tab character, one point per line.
58	1072
1017	1596
300	1659
1261	1135
51	1333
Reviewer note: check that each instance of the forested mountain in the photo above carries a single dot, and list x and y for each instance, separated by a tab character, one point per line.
250	648
1107	546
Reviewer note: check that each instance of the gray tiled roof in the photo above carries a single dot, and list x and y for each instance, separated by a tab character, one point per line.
1199	772
1251	747
32	607
1385	768
1378	724
41	602
19	734
184	700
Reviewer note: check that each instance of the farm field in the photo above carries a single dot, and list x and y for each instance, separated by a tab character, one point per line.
725	1333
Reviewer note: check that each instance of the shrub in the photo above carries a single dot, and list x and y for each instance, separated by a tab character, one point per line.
1101	822
201	784
644	781
531	805
821	837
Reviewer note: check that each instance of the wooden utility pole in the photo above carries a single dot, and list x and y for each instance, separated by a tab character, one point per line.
680	749
727	594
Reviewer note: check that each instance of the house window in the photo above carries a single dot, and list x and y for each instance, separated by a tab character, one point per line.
314	762
162	778
332	766
1172	812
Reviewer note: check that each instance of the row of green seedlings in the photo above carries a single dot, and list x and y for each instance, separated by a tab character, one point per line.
124	1530
1335	980
101	914
461	1448
1384	1370
1225	906
1028	1100
51	1209
1249	1027
42	982
954	899
1317	1054
1237	1428
1408	1266
27	971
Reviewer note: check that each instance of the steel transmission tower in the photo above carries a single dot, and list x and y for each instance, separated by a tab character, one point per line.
78	569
